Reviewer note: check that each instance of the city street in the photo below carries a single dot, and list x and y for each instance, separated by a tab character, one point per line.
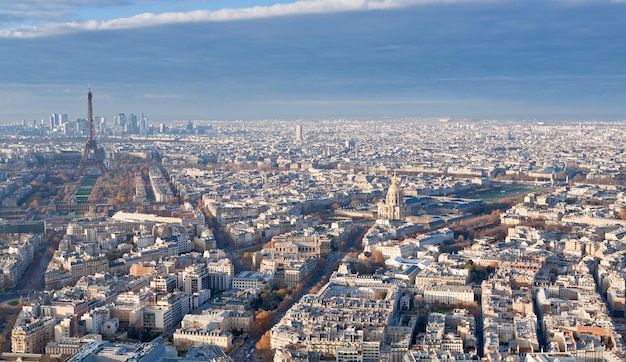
247	351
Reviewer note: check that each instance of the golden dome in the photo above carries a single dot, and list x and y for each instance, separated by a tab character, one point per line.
394	185
394	195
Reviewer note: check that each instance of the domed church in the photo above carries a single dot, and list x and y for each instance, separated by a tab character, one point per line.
394	207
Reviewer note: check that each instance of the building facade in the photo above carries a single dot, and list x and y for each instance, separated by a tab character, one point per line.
394	207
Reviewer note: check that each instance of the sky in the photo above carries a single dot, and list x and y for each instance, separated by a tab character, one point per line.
314	59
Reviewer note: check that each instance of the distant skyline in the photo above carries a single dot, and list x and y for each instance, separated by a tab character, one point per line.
314	59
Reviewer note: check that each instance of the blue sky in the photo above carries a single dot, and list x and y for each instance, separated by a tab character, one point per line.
313	59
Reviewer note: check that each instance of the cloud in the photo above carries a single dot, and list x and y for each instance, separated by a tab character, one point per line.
40	5
228	14
49	10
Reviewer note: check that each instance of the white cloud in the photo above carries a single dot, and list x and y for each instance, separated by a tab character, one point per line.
37	11
228	14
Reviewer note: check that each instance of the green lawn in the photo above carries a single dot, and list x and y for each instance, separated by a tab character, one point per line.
441	308
498	194
83	192
486	195
89	182
14	303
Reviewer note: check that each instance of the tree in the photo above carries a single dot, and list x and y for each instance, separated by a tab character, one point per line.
316	288
380	294
282	293
321	264
285	303
622	214
246	259
98	195
262	322
264	343
378	258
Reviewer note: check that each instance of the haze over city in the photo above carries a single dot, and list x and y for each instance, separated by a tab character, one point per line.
314	59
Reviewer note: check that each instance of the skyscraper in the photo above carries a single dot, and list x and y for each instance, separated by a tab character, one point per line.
299	133
54	121
119	124
143	124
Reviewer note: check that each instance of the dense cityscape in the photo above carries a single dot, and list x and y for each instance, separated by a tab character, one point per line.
400	240
312	181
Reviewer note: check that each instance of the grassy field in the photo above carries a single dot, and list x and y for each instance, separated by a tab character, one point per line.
83	192
89	182
499	193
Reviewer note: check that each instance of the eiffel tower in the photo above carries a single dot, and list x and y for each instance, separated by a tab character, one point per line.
91	163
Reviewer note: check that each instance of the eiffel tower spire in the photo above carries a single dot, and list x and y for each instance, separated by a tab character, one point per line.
91	163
